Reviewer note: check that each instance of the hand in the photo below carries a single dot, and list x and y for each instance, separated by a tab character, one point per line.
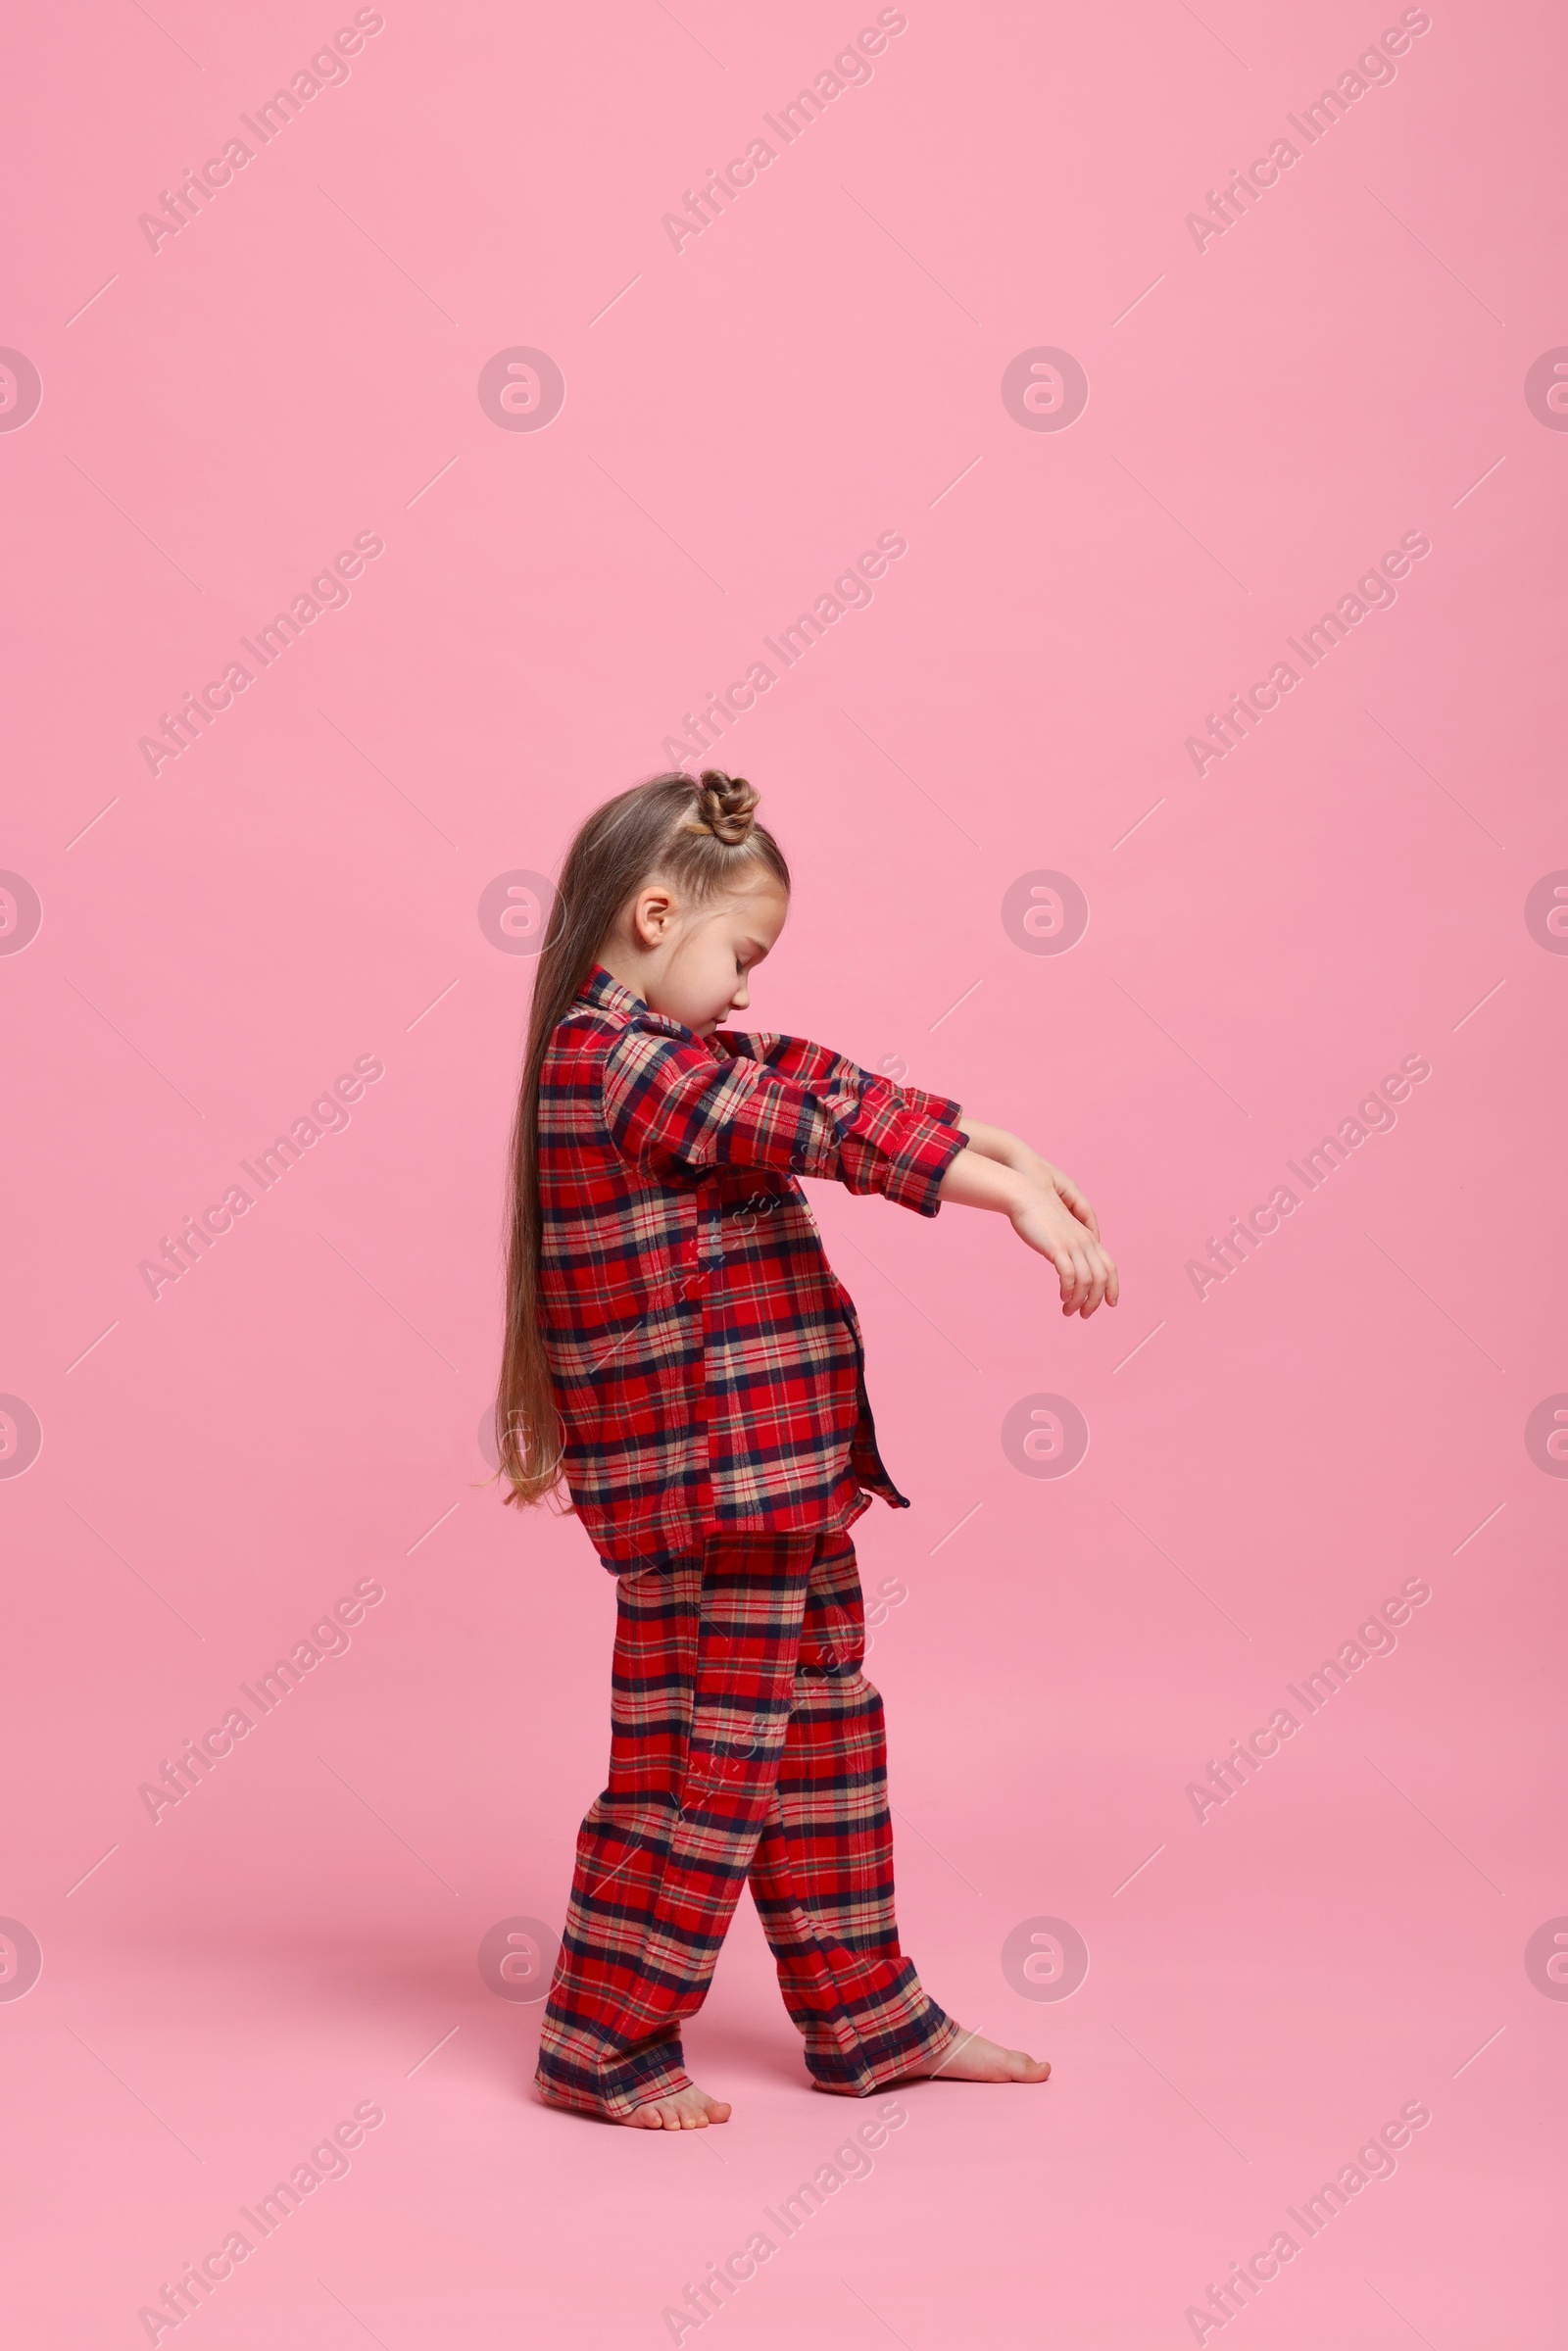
1052	1216
1045	1208
997	1143
1031	1164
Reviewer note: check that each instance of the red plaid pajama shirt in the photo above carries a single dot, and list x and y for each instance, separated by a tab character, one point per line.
708	1362
710	1372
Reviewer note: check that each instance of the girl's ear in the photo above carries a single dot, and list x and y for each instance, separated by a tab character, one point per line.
652	915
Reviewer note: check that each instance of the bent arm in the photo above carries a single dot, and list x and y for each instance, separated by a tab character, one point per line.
821	1069
674	1111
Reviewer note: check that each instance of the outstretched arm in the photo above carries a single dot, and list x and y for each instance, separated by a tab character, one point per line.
674	1109
1045	1208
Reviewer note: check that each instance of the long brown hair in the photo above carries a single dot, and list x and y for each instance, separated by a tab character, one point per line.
700	835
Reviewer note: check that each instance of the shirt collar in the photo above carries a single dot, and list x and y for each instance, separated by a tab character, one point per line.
602	988
609	995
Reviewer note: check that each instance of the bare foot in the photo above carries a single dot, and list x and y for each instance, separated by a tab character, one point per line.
686	2110
975	2059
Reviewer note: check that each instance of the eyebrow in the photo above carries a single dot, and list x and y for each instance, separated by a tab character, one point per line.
758	944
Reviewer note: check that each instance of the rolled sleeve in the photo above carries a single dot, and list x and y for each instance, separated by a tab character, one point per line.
896	1140
933	1105
676	1109
940	1113
906	1160
817	1066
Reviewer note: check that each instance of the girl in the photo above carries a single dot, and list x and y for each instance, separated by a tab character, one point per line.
680	1350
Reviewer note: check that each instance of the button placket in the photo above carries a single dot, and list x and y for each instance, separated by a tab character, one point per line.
710	1241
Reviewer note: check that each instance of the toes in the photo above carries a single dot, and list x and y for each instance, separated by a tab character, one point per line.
679	2113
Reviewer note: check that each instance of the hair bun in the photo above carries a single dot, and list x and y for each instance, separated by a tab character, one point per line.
726	804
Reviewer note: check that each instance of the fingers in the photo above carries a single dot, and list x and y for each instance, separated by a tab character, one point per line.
1086	1272
1106	1289
1097	1289
1088	1277
1075	1273
1074	1200
1071	1197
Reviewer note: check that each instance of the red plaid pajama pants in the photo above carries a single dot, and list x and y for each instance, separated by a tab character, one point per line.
745	1743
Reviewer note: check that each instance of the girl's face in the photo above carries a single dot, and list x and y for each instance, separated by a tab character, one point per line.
691	962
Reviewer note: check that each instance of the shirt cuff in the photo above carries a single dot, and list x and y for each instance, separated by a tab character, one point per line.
921	1160
933	1105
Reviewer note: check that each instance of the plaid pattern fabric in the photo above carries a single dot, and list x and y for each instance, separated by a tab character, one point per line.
746	1743
708	1363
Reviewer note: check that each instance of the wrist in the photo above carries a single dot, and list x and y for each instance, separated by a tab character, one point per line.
976	1180
992	1142
1016	1155
1020	1192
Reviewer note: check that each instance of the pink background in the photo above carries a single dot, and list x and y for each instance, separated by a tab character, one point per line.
824	363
